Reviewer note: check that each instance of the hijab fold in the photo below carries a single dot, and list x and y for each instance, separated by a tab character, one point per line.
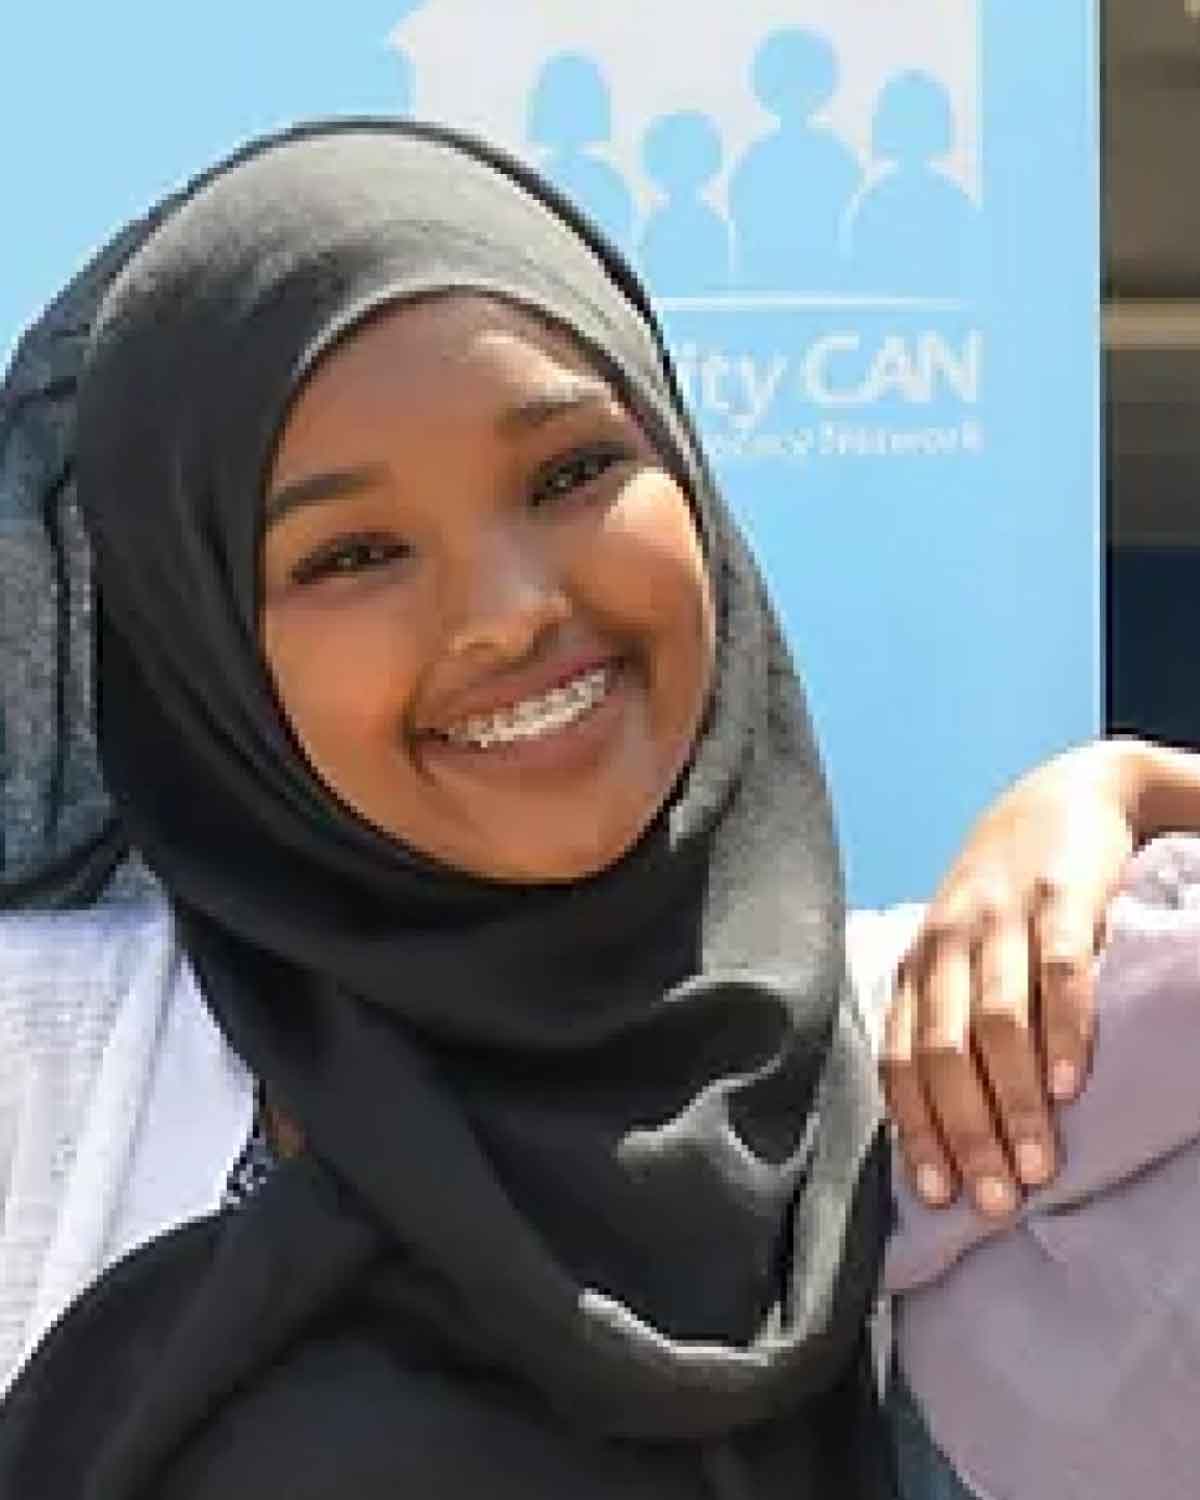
593	1185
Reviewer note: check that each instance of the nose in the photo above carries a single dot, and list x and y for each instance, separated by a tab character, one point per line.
501	600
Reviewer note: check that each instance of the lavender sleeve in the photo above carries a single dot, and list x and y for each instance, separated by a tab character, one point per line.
1142	1102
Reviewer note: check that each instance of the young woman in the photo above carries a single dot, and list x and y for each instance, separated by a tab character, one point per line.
441	696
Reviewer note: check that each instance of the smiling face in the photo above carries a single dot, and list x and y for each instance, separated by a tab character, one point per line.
485	607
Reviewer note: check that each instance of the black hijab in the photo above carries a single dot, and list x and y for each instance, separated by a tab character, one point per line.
592	1199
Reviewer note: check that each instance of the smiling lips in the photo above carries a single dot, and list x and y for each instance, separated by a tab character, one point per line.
533	718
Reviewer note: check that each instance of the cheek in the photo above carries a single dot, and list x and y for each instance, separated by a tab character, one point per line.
648	571
344	675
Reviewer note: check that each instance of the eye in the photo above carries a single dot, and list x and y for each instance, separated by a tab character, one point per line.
564	476
348	557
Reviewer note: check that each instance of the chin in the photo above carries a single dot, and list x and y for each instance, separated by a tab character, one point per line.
557	863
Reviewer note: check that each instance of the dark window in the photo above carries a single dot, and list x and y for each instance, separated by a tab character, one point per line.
1151	100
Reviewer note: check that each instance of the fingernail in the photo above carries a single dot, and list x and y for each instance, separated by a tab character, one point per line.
1064	1079
932	1184
994	1196
1033	1163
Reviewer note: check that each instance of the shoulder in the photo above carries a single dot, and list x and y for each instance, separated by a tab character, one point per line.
121	1105
60	967
64	977
103	1028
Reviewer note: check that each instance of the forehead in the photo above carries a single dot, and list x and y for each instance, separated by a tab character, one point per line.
437	342
428	367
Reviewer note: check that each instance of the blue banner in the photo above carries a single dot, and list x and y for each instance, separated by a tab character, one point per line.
871	226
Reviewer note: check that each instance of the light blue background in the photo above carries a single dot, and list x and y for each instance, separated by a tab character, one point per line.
945	609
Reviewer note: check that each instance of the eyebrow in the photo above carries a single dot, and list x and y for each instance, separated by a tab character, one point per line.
546	406
315	489
525	416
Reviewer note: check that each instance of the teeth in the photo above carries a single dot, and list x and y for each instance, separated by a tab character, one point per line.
534	716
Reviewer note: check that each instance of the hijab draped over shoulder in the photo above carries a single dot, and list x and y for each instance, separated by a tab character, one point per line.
593	1196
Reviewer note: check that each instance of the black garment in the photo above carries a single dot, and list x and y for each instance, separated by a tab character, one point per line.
593	1200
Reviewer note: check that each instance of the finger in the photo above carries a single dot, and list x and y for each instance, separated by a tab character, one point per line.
1008	1048
1064	936
952	1083
920	1145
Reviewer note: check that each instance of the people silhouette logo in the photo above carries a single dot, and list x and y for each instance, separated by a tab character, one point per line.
792	189
685	248
570	116
914	228
781	151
